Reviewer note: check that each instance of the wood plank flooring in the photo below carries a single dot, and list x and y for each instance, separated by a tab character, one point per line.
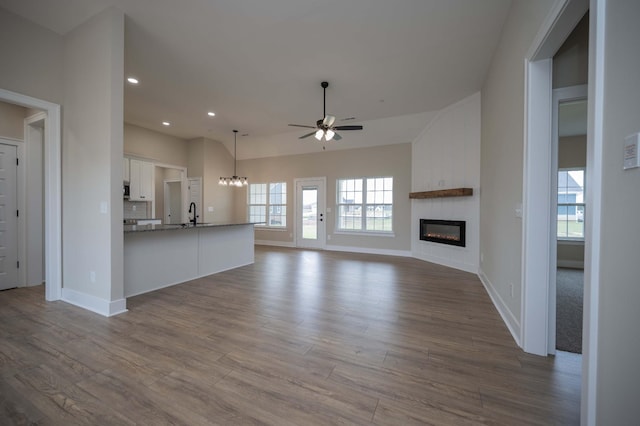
298	338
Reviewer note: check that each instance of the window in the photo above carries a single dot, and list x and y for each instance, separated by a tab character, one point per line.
365	205
571	204
268	204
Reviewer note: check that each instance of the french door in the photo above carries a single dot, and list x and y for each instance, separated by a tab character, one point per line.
310	213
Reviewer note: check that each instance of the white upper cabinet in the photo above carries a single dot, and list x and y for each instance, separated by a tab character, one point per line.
140	180
125	170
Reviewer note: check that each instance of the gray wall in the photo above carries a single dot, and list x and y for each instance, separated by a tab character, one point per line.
502	155
387	160
31	58
12	121
92	150
619	266
571	61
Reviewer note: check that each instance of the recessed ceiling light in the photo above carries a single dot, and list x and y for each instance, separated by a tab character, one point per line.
211	114
166	123
133	80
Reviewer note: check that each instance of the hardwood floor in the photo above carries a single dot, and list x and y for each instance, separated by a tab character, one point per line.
298	338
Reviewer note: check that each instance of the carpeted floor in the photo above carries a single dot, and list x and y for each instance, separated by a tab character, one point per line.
569	294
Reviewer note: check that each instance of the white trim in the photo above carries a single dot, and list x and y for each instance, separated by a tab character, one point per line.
536	239
559	23
536	228
275	243
446	261
25	162
346	249
509	319
366	250
52	189
94	304
322	208
595	148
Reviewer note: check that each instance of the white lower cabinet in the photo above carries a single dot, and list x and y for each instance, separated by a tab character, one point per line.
140	180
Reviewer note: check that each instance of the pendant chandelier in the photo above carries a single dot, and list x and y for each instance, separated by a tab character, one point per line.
238	181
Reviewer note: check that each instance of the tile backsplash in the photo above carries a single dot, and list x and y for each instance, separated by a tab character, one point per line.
136	210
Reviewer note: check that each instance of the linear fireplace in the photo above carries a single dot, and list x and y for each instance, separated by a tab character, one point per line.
450	232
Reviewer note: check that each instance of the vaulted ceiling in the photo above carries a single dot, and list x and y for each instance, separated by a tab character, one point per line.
258	64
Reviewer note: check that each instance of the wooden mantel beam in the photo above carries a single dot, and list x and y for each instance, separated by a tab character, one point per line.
441	193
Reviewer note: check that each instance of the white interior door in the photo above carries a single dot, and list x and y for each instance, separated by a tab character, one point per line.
310	213
8	217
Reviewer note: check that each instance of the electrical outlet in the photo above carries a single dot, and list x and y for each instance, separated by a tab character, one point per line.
329	237
481	257
511	289
92	276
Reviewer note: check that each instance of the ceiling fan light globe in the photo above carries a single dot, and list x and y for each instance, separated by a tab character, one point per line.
319	134
329	134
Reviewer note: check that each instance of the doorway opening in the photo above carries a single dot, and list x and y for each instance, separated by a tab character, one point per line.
52	188
568	209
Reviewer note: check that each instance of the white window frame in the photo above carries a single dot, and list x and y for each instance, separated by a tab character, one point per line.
364	208
267	204
582	204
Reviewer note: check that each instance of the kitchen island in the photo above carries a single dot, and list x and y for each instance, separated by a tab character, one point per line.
158	256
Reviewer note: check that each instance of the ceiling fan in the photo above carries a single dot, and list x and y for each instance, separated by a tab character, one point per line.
324	128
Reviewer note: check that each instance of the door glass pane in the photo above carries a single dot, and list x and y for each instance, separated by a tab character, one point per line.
310	213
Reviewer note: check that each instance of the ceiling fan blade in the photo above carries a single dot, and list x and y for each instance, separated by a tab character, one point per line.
307	135
328	120
356	127
302	125
336	137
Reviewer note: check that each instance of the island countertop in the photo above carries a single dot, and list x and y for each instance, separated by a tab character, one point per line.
177	226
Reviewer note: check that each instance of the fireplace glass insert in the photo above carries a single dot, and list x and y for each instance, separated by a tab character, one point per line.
450	232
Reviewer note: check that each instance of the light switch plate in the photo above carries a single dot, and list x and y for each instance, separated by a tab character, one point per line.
631	157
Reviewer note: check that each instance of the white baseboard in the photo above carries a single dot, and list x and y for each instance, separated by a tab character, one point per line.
94	304
511	321
365	250
573	264
451	263
274	243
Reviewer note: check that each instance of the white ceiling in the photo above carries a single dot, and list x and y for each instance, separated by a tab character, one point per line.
258	64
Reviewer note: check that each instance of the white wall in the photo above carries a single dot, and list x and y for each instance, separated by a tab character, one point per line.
210	159
31	58
618	343
155	146
92	162
502	159
447	155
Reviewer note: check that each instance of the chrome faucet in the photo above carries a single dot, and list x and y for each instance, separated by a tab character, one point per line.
195	217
